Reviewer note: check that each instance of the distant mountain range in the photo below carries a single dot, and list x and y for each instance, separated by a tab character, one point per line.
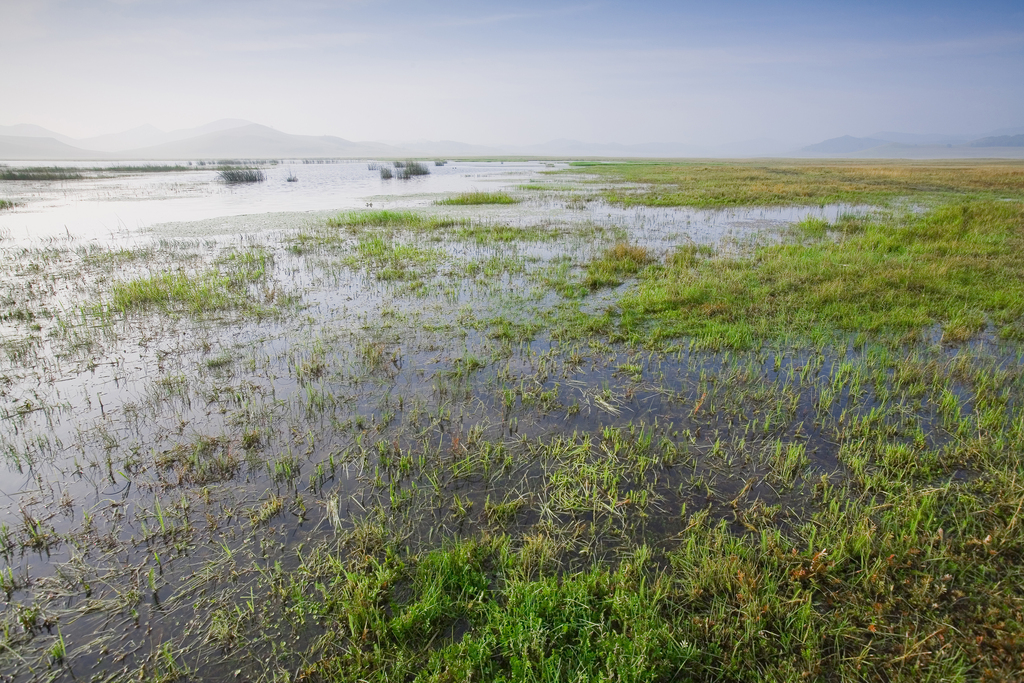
240	139
227	138
1000	141
845	145
1007	143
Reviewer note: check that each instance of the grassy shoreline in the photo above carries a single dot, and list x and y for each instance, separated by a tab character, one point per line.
720	184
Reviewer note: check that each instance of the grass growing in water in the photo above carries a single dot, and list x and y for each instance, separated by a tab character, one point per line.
6	204
473	198
393	219
392	260
407	169
218	288
242	175
957	265
205	293
147	168
616	263
803	510
337	231
40	173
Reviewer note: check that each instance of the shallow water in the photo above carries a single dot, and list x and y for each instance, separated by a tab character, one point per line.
120	205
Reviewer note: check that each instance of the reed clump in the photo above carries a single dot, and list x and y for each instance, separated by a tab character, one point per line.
407	169
242	175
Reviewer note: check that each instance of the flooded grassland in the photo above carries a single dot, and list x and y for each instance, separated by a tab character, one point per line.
620	422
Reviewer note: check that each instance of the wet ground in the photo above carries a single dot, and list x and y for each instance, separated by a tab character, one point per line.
160	460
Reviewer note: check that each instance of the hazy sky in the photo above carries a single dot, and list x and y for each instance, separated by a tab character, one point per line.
522	72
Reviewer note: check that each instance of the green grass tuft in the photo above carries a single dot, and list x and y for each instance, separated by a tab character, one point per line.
473	198
615	264
219	288
377	219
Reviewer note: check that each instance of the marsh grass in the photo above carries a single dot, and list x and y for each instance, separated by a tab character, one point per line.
206	460
389	219
475	198
147	168
339	230
723	184
242	175
266	511
447	227
389	259
40	173
408	169
483	469
197	294
864	587
219	288
955	265
483	233
616	263
6	204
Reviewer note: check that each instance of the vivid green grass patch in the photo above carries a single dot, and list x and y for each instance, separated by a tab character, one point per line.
957	265
389	259
474	198
197	294
484	234
615	263
387	218
218	288
380	218
897	586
